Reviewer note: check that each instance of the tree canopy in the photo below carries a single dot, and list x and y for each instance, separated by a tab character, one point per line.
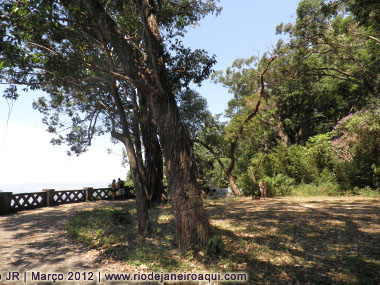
96	59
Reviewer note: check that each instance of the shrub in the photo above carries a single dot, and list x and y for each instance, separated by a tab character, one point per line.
247	185
279	185
312	190
356	147
325	176
215	247
290	161
366	192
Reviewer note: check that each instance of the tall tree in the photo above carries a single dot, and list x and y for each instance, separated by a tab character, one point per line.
328	69
131	30
248	87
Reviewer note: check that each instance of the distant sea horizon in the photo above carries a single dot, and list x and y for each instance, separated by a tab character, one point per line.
38	187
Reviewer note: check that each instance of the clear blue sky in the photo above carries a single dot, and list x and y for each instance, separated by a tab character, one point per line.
28	161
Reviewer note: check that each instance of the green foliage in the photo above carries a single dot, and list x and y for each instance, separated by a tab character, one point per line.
312	190
356	146
365	192
325	176
279	185
291	161
320	151
215	247
219	178
205	164
247	185
285	167
128	181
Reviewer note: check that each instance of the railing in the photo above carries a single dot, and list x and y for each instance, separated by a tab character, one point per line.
70	196
10	203
27	201
101	194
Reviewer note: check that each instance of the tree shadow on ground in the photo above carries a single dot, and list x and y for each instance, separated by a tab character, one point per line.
303	242
38	238
280	241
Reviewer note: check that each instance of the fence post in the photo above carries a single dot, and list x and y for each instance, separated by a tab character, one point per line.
49	197
88	193
5	202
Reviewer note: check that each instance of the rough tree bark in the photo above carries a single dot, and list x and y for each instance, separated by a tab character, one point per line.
153	155
139	184
192	226
133	149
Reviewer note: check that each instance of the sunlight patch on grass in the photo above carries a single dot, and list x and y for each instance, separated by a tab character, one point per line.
280	241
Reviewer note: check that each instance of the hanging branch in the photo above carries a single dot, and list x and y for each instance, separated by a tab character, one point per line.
234	144
250	116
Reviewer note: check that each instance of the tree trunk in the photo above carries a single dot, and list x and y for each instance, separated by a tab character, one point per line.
227	171
192	226
142	205
153	155
151	80
232	183
154	171
281	133
135	163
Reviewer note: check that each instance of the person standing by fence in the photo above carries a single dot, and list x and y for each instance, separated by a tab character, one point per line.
120	184
114	186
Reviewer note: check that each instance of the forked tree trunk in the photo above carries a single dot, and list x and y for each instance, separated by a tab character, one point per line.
133	149
227	171
153	155
136	167
192	226
232	183
142	205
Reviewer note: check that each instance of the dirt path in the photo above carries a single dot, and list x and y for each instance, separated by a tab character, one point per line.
291	236
37	241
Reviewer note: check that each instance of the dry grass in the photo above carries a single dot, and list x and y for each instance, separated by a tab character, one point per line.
291	240
277	241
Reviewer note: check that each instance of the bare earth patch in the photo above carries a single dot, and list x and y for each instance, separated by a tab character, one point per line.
302	240
277	241
37	240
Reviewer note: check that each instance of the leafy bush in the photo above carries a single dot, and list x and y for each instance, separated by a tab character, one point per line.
366	192
320	153
215	247
325	176
292	162
247	185
356	148
279	185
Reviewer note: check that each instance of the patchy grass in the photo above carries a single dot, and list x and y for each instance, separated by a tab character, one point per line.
311	190
332	190
277	241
